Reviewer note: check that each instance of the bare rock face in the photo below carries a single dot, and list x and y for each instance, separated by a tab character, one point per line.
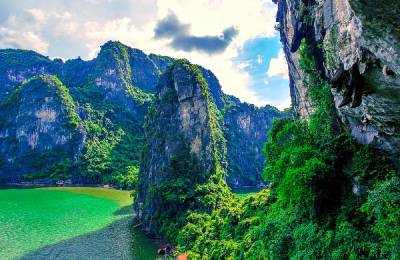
39	128
292	31
183	116
246	130
360	56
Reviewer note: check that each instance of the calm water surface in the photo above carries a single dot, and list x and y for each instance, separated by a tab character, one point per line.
244	192
70	223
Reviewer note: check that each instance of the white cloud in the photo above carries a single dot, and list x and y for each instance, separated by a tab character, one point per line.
253	18
209	17
38	15
280	104
244	65
278	66
58	29
10	38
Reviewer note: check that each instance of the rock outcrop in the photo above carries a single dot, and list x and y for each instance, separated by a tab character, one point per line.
246	130
183	117
359	53
39	127
113	92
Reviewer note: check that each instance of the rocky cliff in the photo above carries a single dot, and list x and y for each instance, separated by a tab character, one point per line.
112	93
358	53
39	128
246	129
182	130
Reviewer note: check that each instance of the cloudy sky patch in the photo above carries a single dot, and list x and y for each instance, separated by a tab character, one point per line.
278	66
181	39
234	38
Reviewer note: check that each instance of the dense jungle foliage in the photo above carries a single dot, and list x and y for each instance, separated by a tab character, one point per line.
329	197
112	148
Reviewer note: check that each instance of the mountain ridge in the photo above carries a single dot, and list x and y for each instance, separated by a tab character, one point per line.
112	93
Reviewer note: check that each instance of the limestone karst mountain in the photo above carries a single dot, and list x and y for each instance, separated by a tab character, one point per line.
110	94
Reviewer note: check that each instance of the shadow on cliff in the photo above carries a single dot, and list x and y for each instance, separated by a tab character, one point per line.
116	241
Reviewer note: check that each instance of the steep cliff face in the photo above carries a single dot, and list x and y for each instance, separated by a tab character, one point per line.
39	128
112	94
182	126
358	53
246	129
16	66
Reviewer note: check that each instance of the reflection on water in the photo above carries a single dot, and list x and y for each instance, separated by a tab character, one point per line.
111	242
54	224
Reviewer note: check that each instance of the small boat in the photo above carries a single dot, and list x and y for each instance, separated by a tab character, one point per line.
167	250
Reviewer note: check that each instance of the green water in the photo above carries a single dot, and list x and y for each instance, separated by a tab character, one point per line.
244	192
70	223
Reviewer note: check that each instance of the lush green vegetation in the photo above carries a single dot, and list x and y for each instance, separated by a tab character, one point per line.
65	98
58	163
111	119
112	148
114	133
189	189
15	58
330	198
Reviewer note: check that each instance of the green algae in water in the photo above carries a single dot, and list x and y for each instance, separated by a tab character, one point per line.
79	224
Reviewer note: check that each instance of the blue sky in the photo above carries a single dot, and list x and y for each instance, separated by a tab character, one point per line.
234	38
255	58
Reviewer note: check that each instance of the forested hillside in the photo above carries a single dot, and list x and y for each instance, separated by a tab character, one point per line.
333	170
107	99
